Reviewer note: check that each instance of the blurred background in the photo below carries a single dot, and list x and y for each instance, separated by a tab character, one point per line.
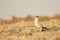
22	8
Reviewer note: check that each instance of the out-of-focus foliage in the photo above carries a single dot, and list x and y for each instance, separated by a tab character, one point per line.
28	18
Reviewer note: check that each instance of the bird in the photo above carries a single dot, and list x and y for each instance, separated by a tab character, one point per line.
36	23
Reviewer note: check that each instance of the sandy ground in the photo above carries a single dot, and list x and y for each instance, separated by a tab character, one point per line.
26	32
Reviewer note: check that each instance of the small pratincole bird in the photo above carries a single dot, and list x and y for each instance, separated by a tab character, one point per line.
36	23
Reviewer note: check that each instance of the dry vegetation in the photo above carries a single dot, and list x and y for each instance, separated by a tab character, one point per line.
24	28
